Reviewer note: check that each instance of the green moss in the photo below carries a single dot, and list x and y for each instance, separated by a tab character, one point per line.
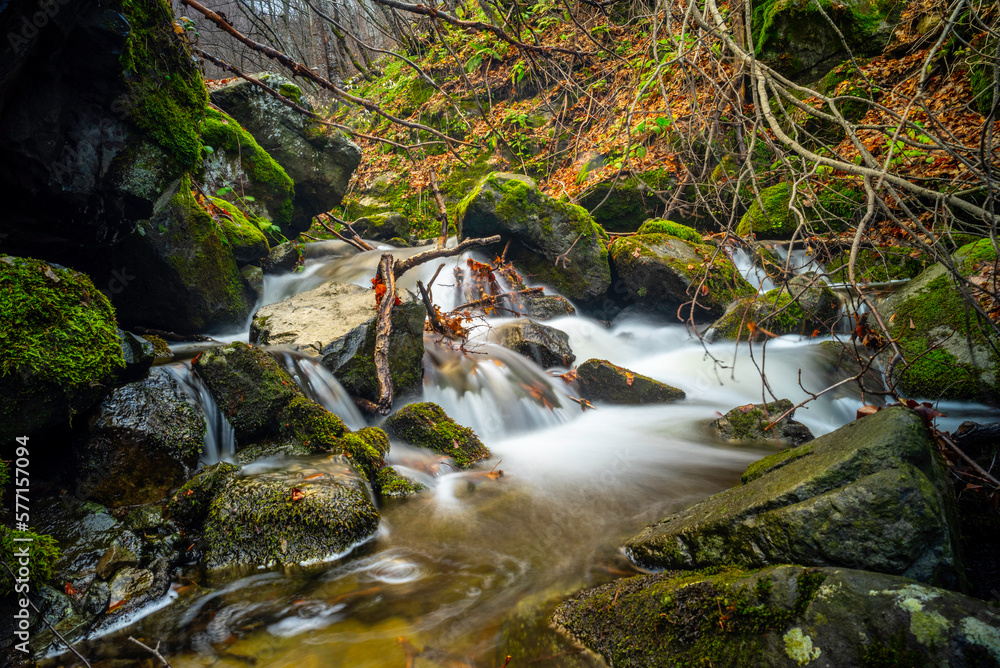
426	425
622	205
973	253
981	76
43	554
311	424
270	183
239	231
771	462
394	486
875	265
773	218
189	505
891	654
291	91
167	97
668	227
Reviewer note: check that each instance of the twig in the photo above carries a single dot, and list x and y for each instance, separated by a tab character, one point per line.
432	315
355	242
155	651
409	263
491	299
968	460
442	210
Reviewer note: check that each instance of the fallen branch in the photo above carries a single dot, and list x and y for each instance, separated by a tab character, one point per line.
432	315
442	210
969	460
490	300
155	651
414	260
383	328
355	241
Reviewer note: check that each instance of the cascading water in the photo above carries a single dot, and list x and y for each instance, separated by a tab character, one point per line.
318	384
220	440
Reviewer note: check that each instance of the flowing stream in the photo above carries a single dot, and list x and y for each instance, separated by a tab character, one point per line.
468	572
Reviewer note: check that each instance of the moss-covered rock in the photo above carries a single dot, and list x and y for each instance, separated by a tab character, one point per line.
797	39
782	616
319	159
622	204
315	512
189	505
947	353
383	226
750	423
248	386
804	306
426	425
660	273
871	494
670	228
875	265
392	485
547	346
138	355
541	230
144	440
245	238
185	276
825	208
235	168
61	351
600	380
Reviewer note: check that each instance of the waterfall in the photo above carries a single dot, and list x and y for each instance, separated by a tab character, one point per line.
318	384
220	440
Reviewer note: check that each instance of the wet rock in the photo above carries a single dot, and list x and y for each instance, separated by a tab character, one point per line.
782	616
870	494
949	355
840	360
114	558
540	307
129	583
248	385
313	513
337	322
318	159
185	278
547	346
138	354
749	423
284	258
61	347
144	441
383	226
600	380
254	276
189	504
804	306
541	230
426	425
392	485
659	273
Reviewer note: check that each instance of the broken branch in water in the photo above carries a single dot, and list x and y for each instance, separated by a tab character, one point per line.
383	328
155	651
354	240
490	300
418	259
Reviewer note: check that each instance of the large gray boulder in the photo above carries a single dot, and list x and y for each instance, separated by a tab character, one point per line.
547	346
144	440
336	321
319	160
781	617
554	242
659	273
869	495
313	511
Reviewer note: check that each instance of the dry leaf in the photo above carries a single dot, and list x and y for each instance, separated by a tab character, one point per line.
629	377
298	494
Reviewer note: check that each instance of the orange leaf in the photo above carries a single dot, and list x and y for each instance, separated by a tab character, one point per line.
115	606
298	494
866	410
70	590
629	377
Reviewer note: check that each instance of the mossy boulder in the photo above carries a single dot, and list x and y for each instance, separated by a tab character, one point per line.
825	209
876	265
248	386
750	423
392	485
781	617
871	494
547	346
949	353
554	242
61	350
189	504
144	441
319	159
659	273
795	37
600	380
383	226
670	228
236	169
427	425
313	512
185	276
805	306
245	237
622	204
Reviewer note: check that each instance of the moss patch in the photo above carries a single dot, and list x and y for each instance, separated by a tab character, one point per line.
670	228
394	486
426	425
43	554
875	265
